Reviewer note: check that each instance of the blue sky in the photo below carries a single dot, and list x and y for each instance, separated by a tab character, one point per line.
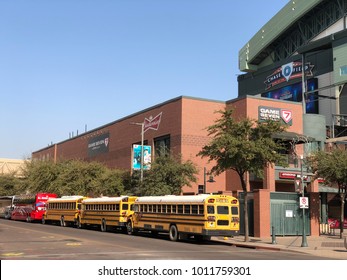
65	64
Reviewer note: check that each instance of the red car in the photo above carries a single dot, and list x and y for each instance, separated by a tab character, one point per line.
21	213
335	223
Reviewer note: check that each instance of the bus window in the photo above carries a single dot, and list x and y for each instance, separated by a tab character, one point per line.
194	209
234	210
125	206
180	209
210	209
223	210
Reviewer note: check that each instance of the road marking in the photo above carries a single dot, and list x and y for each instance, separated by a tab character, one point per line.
12	254
73	244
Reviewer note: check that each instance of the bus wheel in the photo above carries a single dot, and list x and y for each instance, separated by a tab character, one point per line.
173	233
130	228
78	223
103	225
62	222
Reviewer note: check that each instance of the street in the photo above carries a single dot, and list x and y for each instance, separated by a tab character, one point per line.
34	241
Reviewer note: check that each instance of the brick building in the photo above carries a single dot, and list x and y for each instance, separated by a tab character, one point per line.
296	71
180	126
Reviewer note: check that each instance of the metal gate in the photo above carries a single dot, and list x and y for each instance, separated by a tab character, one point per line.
286	215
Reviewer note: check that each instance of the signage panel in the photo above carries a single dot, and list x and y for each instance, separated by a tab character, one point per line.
147	158
98	145
275	114
294	93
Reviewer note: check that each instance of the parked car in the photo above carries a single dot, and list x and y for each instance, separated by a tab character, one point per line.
335	223
21	213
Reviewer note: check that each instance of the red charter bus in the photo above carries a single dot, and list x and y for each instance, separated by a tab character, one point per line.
30	208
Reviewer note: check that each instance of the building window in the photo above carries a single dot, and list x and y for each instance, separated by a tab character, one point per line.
343	70
162	145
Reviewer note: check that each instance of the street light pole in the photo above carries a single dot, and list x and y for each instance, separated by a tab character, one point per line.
304	240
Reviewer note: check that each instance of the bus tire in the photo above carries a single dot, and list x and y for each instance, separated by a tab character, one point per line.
173	233
130	230
103	225
78	223
62	222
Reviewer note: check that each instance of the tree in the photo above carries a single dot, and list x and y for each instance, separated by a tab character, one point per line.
168	174
72	177
9	184
332	167
243	146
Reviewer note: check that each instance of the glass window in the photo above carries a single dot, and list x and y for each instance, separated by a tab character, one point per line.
210	209
223	210
201	209
162	145
234	210
343	70
194	209
125	206
174	209
186	209
180	209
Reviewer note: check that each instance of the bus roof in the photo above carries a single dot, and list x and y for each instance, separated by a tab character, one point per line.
175	198
66	198
104	199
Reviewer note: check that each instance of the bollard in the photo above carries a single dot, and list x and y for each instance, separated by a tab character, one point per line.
273	236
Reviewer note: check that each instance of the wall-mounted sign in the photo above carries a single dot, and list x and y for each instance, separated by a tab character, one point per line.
275	114
98	144
152	123
294	93
286	72
147	157
291	176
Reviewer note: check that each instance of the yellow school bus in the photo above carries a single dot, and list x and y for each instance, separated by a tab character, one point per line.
65	210
106	211
201	216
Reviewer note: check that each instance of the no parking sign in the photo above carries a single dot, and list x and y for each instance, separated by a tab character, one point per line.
304	202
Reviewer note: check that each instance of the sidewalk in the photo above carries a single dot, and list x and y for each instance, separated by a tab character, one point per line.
329	246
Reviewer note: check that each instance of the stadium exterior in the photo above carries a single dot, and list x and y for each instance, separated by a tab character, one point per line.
304	44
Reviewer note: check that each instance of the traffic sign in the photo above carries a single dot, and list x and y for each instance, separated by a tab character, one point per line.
304	202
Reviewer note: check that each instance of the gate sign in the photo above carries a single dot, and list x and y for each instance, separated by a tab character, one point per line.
304	202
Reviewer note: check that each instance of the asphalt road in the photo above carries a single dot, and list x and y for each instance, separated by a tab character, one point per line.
34	241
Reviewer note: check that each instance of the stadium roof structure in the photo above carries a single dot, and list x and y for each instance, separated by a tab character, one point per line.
293	27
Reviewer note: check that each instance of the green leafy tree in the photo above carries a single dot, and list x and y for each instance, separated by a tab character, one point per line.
112	182
167	176
72	177
39	176
9	185
243	146
332	167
